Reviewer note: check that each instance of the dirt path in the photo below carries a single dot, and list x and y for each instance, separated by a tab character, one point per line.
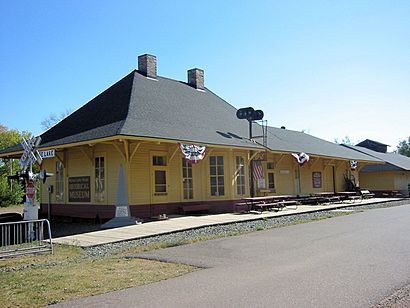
12	209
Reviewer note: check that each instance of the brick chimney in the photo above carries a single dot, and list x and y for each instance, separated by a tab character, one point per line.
196	78
147	65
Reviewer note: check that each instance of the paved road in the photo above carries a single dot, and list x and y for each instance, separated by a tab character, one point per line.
349	261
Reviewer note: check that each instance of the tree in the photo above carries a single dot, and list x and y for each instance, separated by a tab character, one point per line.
346	140
53	119
404	147
9	194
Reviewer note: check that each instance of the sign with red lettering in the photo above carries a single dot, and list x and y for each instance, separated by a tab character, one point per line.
31	190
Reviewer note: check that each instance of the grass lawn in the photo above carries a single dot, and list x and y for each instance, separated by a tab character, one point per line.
43	279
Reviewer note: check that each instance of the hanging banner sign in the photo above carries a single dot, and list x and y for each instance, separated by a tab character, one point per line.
193	153
47	154
353	165
301	158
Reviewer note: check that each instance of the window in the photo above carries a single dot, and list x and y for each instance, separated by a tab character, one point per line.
59	181
216	165
99	179
159	161
160	181
187	179
270	166
240	175
159	173
271	180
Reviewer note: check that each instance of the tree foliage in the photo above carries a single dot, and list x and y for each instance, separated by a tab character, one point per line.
345	140
404	147
10	193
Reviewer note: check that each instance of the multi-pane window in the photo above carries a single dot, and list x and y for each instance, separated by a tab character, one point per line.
99	179
216	165
160	181
160	174
271	176
187	179
240	175
59	181
159	161
271	180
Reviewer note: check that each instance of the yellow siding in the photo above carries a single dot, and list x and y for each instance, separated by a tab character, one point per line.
378	180
139	172
284	174
402	181
328	178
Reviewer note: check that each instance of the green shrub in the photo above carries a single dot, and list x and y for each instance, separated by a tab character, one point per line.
10	196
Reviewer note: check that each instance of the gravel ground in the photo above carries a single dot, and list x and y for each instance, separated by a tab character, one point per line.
230	229
399	299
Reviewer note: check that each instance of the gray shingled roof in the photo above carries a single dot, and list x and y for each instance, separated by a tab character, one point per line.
393	161
162	108
173	110
292	141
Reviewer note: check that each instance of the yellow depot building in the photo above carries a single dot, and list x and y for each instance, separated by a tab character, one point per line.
179	144
389	179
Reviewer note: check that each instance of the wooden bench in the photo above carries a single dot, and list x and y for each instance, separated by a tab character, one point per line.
354	198
286	203
195	208
242	205
396	194
262	206
366	194
332	199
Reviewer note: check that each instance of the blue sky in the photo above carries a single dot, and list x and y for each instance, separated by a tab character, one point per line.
331	68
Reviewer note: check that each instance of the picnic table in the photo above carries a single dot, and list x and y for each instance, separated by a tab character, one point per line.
269	203
327	197
349	196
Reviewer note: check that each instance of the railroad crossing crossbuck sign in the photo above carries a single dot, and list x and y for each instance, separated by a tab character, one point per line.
30	154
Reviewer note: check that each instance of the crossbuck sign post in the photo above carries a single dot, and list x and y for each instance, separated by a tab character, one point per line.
29	157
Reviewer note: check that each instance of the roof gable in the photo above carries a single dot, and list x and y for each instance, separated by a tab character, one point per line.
373	145
399	161
294	141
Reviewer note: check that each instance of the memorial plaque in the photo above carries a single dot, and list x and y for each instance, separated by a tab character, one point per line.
122	211
79	189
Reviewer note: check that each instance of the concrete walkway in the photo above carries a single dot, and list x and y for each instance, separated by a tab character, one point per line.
191	222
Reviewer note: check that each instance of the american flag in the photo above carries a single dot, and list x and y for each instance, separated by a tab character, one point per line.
258	173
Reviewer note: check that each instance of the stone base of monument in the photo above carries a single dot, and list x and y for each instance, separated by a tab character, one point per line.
122	218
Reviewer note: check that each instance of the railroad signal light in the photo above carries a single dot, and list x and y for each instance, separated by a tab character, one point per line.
249	114
245	113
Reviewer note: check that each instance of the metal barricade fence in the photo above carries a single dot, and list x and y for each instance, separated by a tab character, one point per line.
25	237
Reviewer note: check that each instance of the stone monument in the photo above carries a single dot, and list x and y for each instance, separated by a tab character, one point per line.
122	209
